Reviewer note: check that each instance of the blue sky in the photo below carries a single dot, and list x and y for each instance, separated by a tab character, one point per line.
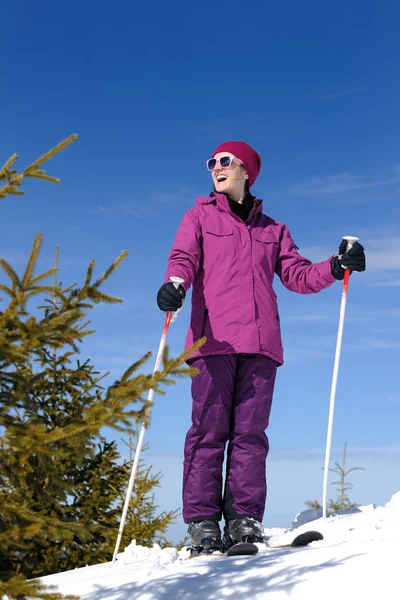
151	89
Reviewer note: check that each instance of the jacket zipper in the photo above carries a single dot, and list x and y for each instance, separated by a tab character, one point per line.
252	212
203	325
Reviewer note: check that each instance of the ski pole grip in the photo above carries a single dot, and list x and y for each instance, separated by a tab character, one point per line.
177	281
351	240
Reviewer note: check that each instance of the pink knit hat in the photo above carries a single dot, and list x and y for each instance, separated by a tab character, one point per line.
249	157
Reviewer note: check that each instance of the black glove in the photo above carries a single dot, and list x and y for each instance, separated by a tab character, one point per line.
354	260
170	298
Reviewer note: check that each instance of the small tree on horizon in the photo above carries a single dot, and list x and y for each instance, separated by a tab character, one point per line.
342	501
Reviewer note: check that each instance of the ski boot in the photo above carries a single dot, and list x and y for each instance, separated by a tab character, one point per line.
205	536
246	529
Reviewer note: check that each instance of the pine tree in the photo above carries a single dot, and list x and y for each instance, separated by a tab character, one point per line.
342	501
61	482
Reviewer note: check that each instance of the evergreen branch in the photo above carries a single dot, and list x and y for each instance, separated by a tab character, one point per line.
97	297
111	269
44	177
96	381
81	327
354	469
32	261
42	289
14	179
34	524
341	483
7	290
135	367
69	289
89	273
10	272
9	190
45	157
313	504
45	275
81	306
5	170
68	317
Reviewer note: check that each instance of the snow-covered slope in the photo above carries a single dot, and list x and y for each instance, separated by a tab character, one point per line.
358	558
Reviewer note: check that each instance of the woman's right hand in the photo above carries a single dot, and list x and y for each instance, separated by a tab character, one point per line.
170	298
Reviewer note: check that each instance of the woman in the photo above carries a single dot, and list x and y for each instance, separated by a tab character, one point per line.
228	250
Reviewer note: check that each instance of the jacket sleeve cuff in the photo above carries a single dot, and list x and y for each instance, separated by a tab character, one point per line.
326	270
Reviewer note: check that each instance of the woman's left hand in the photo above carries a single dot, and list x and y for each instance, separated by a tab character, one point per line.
354	260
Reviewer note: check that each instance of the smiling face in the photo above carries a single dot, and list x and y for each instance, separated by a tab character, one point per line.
230	181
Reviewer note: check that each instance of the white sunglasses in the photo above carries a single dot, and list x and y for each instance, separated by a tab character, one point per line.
224	161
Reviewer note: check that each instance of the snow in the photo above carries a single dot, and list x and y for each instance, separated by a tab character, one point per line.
358	558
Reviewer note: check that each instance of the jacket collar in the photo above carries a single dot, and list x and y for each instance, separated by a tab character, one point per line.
223	204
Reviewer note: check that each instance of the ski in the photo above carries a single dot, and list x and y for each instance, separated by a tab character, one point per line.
239	549
249	549
242	549
301	540
206	555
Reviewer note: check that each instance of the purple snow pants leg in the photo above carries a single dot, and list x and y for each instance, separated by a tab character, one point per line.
232	397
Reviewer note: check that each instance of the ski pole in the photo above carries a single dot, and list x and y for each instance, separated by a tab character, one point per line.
350	241
169	318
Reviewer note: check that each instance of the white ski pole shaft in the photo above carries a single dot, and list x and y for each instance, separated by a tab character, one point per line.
168	320
350	241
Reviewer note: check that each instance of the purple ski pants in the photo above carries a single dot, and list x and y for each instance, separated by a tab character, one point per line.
232	397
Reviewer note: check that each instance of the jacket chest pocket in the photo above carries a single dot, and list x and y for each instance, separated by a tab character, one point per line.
265	250
218	242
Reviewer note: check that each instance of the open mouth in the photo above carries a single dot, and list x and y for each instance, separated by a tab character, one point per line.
221	178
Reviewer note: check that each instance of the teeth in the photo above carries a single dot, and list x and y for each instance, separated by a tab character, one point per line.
221	178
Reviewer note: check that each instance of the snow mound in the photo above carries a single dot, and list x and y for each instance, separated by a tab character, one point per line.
156	555
358	558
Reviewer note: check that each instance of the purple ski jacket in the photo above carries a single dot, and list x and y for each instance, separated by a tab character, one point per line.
231	266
